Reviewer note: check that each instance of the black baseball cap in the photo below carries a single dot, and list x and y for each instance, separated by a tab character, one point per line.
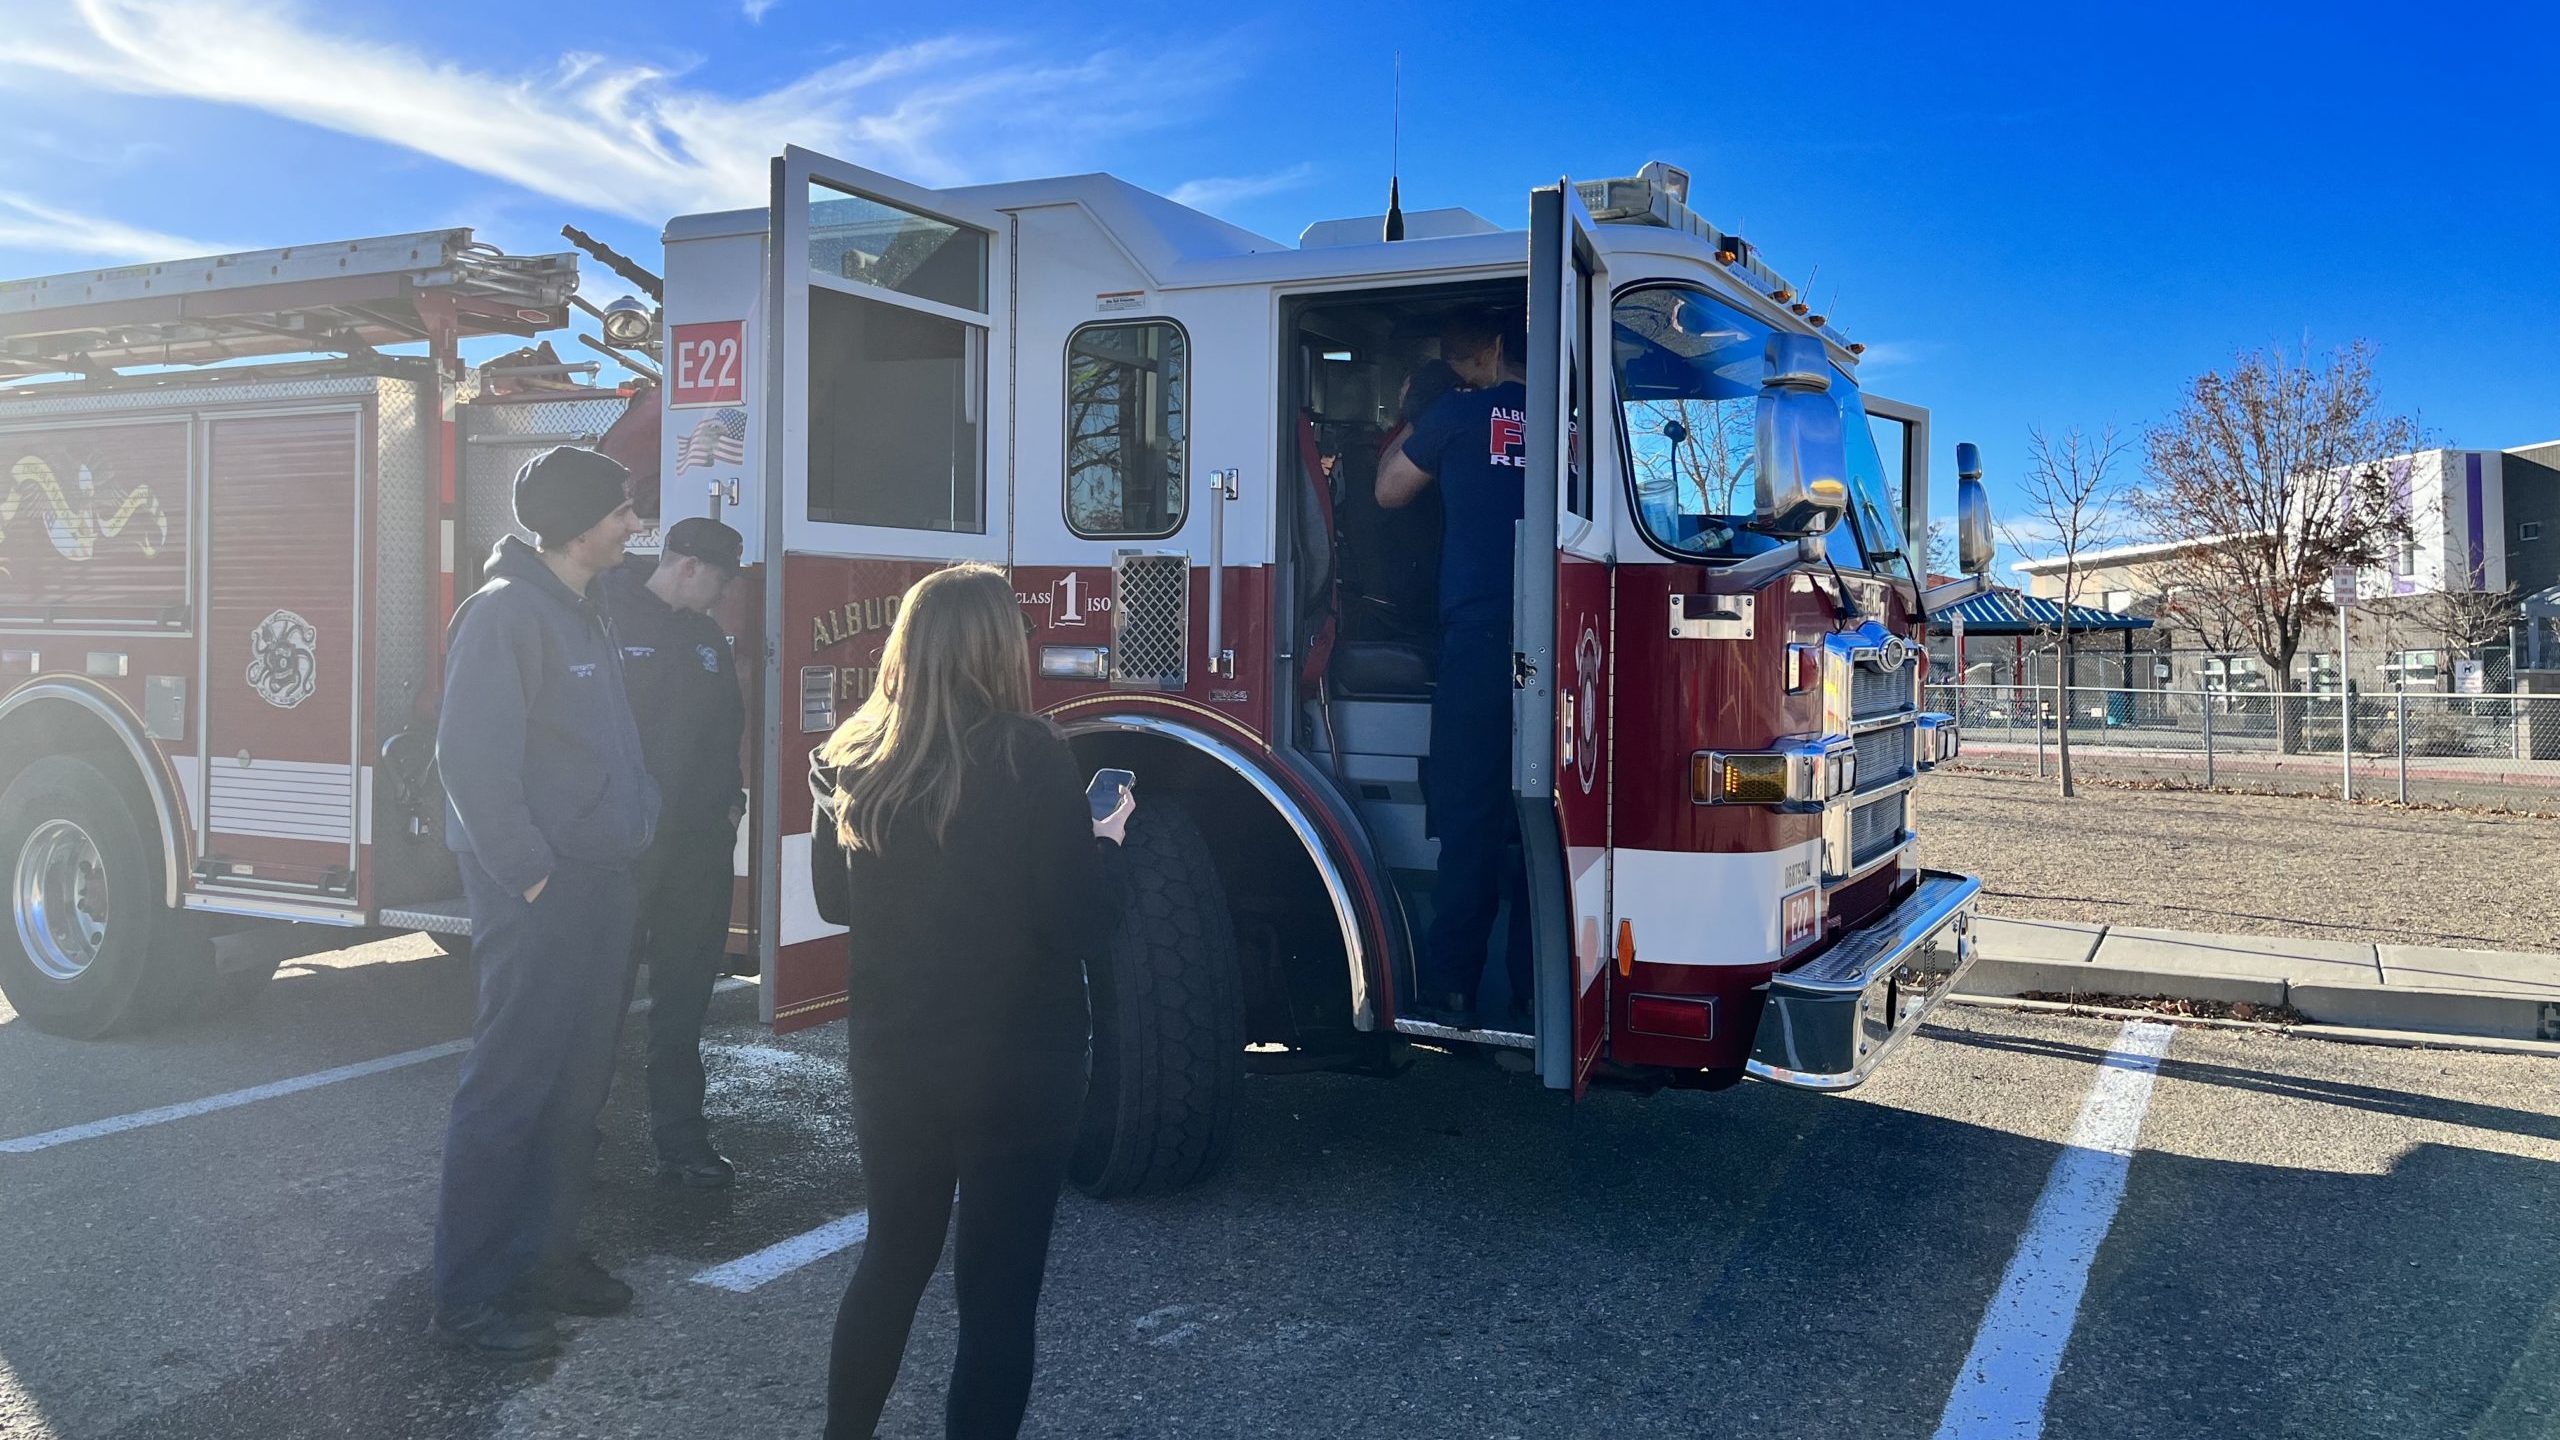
706	540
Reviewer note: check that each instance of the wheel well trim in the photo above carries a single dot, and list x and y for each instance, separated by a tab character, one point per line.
1329	872
109	709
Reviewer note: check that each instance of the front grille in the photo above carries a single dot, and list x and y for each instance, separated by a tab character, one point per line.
1875	828
1877	692
1884	756
1150	621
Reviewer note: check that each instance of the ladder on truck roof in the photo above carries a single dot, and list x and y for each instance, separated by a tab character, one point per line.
344	296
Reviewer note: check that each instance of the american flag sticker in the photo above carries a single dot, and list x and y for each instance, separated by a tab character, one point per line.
721	439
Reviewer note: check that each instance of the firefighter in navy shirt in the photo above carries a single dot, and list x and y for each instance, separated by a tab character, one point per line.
684	692
1473	445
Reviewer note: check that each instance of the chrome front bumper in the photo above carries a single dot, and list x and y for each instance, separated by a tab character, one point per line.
1829	1021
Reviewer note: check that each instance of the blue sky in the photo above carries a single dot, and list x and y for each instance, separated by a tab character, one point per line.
2048	215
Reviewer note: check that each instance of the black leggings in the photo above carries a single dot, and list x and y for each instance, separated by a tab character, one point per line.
1005	1148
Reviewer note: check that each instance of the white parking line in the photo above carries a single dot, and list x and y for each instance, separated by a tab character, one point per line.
2008	1376
162	1115
774	1261
233	1099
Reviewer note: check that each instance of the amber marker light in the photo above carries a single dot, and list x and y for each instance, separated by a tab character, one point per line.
1626	947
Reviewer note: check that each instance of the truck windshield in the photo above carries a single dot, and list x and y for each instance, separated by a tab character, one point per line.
1689	369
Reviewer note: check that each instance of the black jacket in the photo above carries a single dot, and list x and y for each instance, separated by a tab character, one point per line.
683	683
540	758
974	951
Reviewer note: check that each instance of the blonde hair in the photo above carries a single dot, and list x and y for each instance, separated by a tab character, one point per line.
957	657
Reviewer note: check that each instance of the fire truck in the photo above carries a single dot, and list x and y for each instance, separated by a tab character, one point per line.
1167	429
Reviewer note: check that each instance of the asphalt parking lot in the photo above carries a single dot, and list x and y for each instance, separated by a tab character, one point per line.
2028	1225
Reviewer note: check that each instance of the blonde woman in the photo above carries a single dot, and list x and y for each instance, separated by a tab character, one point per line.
953	834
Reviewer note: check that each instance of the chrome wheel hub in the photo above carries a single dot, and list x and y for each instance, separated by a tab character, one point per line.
61	899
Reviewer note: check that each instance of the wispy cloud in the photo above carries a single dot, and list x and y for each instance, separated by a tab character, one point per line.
755	10
1215	192
29	224
623	137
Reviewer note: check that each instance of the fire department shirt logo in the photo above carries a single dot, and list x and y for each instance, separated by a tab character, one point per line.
284	665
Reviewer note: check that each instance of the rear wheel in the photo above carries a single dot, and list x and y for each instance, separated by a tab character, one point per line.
1168	1020
88	949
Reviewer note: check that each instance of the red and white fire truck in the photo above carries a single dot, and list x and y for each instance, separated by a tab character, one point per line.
224	591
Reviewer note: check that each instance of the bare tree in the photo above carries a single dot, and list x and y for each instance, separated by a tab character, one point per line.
1706	456
2280	471
2074	493
1942	549
2457	622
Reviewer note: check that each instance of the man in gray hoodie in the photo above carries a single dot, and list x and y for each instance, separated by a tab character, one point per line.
551	805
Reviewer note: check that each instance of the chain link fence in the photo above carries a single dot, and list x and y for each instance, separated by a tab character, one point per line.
2500	750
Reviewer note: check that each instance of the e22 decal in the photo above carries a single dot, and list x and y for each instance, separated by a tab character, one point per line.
707	364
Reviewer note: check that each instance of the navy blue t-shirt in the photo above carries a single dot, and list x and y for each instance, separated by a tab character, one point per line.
1475	444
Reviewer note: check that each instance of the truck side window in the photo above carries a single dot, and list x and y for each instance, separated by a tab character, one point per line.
1128	450
897	368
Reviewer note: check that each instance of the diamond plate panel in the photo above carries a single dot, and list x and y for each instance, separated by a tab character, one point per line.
183	396
496	440
402	595
1150	621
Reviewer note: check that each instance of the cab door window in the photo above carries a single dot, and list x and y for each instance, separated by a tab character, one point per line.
897	367
1128	435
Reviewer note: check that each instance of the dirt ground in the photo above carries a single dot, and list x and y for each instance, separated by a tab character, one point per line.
2247	864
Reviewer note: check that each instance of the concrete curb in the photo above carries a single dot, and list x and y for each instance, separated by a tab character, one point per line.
2404	990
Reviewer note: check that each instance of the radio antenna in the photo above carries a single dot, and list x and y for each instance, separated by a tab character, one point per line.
1395	156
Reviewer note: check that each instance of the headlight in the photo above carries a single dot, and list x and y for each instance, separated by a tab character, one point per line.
1793	777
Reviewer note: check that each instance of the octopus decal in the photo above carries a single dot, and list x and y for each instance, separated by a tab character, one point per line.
284	666
77	519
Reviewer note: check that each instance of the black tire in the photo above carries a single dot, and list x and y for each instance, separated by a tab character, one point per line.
73	961
1168	1021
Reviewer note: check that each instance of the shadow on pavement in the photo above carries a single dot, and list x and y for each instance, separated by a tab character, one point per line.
2472	1115
1458	1253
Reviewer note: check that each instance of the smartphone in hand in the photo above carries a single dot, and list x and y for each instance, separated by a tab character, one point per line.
1102	796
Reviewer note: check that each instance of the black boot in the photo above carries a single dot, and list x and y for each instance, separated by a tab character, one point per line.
497	1332
577	1285
1456	1010
695	1165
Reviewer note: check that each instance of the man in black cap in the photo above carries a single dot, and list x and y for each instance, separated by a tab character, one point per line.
684	691
551	806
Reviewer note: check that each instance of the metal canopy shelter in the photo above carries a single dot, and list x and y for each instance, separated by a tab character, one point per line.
344	297
2010	612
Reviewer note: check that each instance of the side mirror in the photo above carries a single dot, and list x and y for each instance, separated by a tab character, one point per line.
1974	545
1802	486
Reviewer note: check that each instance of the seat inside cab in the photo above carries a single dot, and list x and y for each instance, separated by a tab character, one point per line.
1367	578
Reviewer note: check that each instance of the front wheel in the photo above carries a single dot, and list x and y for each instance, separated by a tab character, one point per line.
1168	1020
81	953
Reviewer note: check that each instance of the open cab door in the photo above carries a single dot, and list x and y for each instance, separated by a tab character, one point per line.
890	308
1562	630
